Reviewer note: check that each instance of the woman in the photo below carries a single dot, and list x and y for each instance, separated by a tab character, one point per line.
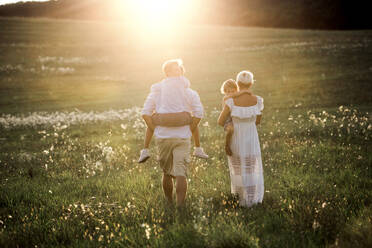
245	163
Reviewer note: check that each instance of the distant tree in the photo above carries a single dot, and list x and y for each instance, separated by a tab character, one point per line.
315	14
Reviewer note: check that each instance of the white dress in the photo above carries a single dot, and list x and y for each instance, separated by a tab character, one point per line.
245	164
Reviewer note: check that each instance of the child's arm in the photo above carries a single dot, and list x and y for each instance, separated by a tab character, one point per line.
236	94
223	116
224	101
226	97
239	93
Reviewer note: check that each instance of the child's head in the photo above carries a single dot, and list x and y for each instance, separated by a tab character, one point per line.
229	87
173	68
244	79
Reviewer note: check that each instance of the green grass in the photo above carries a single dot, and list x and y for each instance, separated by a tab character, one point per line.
79	185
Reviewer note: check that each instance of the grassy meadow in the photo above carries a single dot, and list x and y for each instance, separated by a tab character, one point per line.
71	132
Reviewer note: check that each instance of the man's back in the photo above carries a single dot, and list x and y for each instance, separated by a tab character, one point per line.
173	95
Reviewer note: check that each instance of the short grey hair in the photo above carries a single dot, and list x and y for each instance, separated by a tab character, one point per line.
245	77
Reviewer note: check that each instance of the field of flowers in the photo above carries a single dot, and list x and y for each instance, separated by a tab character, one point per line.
71	131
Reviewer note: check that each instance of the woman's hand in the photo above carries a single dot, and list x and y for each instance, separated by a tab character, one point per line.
228	150
258	119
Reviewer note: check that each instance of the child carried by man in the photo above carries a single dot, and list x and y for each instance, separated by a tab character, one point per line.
174	72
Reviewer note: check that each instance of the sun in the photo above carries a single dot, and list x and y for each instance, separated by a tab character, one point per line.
160	13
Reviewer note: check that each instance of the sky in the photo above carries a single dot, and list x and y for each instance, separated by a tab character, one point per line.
14	1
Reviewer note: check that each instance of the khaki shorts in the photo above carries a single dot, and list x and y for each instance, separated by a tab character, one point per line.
174	156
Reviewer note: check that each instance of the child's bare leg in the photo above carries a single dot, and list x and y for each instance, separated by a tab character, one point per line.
229	132
148	137
195	135
198	152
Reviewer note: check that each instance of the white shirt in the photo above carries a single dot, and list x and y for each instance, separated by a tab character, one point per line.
173	95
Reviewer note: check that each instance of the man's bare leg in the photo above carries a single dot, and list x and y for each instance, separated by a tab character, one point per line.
168	187
199	152
181	189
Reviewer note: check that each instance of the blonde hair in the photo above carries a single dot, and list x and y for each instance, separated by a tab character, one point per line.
228	84
167	65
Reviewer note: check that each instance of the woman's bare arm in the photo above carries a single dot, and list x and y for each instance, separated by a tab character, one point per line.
223	116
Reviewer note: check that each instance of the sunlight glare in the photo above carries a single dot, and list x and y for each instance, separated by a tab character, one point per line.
160	13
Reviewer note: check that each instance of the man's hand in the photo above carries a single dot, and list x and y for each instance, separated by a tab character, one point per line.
149	122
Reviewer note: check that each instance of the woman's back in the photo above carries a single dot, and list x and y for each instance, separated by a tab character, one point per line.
245	100
245	108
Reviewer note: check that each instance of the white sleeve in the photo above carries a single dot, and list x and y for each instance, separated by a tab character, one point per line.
195	104
150	102
229	102
260	103
186	82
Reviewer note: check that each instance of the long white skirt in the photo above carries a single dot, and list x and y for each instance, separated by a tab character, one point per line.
245	164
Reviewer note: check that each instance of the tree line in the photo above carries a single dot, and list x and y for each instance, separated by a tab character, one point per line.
307	14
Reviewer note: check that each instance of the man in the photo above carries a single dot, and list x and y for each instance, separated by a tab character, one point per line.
170	96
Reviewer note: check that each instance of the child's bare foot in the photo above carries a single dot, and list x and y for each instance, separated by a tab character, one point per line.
228	150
